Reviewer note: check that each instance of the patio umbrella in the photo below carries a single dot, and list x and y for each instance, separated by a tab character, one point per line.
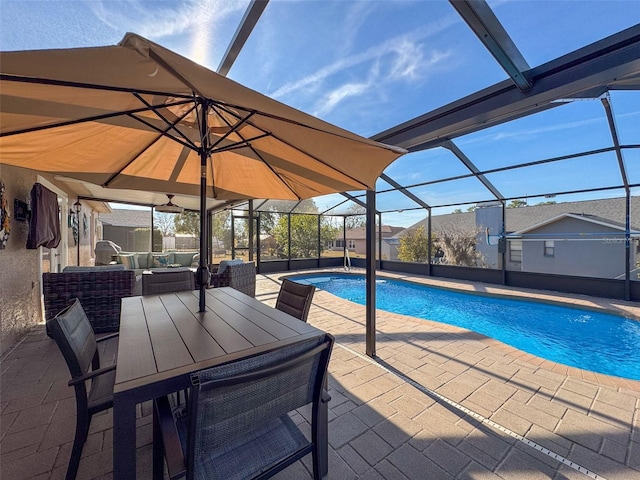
139	116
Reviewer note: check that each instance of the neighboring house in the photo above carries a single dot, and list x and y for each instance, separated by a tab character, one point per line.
120	227
356	239
268	242
584	245
185	241
603	259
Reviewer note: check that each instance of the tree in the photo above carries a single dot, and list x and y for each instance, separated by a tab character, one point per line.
459	246
221	228
356	218
164	222
472	208
457	210
304	235
517	203
268	220
551	202
306	206
414	246
188	222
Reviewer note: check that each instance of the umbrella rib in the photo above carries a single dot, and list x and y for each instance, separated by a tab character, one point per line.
165	120
164	133
240	144
248	145
66	83
224	107
135	157
94	118
365	187
228	106
89	86
233	128
188	143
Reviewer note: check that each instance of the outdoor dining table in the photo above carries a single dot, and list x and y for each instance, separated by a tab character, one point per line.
163	339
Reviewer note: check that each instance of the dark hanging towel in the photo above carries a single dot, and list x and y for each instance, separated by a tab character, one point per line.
44	226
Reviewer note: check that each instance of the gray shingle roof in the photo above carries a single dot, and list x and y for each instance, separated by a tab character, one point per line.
360	233
610	210
583	217
127	218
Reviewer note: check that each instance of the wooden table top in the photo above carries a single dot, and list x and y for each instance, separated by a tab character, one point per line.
165	337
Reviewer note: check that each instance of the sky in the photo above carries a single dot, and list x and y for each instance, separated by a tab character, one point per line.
370	65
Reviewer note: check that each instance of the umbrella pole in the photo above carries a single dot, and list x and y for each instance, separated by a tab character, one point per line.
202	274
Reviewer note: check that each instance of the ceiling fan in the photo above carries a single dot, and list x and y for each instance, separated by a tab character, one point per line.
169	207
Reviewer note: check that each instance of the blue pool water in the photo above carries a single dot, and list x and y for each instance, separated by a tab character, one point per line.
585	339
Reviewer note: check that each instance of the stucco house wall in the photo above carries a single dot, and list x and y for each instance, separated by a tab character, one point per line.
20	282
593	258
19	267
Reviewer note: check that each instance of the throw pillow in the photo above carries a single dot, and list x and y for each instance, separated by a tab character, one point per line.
183	258
128	260
160	260
195	261
142	259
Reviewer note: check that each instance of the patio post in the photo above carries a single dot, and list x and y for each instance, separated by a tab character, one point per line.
371	274
202	274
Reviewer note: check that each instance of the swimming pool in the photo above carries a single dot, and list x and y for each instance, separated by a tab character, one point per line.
585	339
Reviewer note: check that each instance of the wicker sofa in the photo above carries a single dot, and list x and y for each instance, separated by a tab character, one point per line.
141	261
99	290
241	276
165	280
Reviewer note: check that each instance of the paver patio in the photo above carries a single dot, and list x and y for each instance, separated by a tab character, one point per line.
438	402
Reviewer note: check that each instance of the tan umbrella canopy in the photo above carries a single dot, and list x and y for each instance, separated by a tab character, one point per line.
138	116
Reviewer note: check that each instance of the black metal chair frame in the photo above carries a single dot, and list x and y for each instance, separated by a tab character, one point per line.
82	369
167	442
295	299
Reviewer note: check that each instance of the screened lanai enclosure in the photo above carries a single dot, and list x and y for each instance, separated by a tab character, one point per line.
530	177
524	170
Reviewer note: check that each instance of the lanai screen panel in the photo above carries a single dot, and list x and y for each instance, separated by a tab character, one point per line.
625	105
454	193
563	176
419	48
546	30
568	129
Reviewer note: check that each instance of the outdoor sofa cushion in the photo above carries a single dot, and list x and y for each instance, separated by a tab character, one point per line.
140	261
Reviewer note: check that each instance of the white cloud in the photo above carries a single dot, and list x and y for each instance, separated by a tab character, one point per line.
334	97
528	133
354	18
401	56
197	19
408	58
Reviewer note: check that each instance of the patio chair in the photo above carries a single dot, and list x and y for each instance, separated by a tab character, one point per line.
237	424
74	336
100	290
295	299
235	274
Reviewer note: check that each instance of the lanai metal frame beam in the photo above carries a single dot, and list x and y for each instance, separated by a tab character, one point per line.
406	192
449	145
606	103
495	38
585	73
249	20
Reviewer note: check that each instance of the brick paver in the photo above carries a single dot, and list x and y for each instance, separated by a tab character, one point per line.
382	426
